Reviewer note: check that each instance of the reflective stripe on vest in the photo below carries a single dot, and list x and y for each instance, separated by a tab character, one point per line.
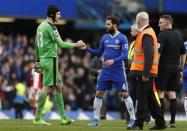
142	62
131	51
138	60
141	52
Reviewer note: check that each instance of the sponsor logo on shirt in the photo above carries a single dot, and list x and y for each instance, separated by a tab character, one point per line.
113	46
158	45
116	45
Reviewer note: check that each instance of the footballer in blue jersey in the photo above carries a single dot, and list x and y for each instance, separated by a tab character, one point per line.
185	82
185	72
114	48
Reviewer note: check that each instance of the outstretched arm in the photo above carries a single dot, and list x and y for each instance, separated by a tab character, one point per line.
57	39
97	52
63	44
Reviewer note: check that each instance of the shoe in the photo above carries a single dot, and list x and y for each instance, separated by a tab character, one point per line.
157	127
172	125
131	123
41	122
147	120
133	126
103	117
93	122
66	120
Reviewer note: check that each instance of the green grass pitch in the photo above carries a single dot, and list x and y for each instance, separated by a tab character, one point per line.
78	125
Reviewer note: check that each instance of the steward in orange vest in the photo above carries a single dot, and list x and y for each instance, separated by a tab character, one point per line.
148	66
142	72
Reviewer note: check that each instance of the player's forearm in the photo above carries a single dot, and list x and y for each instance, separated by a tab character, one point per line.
63	44
120	58
94	52
182	61
123	56
148	47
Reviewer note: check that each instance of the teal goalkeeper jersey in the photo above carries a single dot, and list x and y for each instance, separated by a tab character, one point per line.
48	40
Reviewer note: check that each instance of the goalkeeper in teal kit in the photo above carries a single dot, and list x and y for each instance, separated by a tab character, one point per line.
47	42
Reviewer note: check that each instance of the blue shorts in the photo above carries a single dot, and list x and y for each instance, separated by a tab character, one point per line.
185	78
107	85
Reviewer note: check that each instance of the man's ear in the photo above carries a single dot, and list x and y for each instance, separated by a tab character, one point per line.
167	23
115	25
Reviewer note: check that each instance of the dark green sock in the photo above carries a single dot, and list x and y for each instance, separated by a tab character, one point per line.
40	105
60	103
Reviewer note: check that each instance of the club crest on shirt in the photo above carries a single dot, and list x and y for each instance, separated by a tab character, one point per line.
116	41
56	34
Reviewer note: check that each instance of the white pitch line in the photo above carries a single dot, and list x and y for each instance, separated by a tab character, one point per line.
65	126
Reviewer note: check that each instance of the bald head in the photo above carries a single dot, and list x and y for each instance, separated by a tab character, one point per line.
142	19
143	16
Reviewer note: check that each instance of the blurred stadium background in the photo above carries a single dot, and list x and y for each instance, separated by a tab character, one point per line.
82	19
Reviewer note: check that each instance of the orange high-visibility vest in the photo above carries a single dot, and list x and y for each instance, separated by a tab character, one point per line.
138	61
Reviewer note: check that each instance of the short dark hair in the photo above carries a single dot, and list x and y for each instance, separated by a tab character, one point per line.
114	19
167	17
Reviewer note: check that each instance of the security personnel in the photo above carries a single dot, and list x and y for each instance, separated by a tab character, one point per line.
143	69
20	100
134	32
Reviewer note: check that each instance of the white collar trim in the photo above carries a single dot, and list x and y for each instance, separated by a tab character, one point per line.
115	34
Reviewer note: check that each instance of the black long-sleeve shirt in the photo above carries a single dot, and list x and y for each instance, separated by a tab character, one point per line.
171	47
148	47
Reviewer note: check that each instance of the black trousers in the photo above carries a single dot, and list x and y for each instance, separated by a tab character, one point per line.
18	110
145	99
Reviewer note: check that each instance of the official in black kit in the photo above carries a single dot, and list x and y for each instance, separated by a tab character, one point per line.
171	49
